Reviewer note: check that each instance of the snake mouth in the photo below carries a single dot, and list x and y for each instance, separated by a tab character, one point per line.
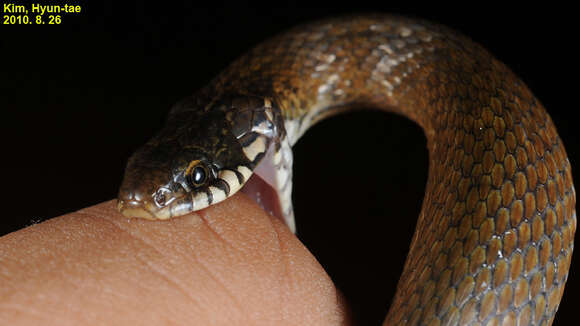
133	208
256	188
144	209
136	209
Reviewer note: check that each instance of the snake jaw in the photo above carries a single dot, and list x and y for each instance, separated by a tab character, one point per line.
134	209
142	198
175	198
148	209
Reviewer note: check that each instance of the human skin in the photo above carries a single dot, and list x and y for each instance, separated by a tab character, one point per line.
229	264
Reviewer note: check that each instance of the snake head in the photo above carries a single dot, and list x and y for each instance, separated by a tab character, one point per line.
201	157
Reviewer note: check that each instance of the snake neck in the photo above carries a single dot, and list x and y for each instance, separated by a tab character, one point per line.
383	62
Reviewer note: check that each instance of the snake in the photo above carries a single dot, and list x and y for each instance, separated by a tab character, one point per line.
494	238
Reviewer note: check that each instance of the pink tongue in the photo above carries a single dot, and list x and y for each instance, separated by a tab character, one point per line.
264	195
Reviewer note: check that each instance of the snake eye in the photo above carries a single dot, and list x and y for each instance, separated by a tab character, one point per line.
197	175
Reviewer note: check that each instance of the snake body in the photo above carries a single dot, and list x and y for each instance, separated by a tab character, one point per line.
494	239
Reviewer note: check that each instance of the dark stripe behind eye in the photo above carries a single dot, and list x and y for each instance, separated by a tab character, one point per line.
240	177
257	160
209	196
223	185
248	139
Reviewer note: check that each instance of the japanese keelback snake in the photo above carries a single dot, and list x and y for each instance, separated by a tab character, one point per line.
494	239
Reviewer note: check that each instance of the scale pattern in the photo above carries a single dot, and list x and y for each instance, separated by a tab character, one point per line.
494	239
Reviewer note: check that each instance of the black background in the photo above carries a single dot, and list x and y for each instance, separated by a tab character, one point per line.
78	98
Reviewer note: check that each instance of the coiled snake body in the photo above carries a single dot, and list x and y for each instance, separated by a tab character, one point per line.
494	239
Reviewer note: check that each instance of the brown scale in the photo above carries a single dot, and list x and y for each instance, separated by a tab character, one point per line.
494	239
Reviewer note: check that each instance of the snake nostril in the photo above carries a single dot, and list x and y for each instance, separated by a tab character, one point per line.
159	199
162	197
